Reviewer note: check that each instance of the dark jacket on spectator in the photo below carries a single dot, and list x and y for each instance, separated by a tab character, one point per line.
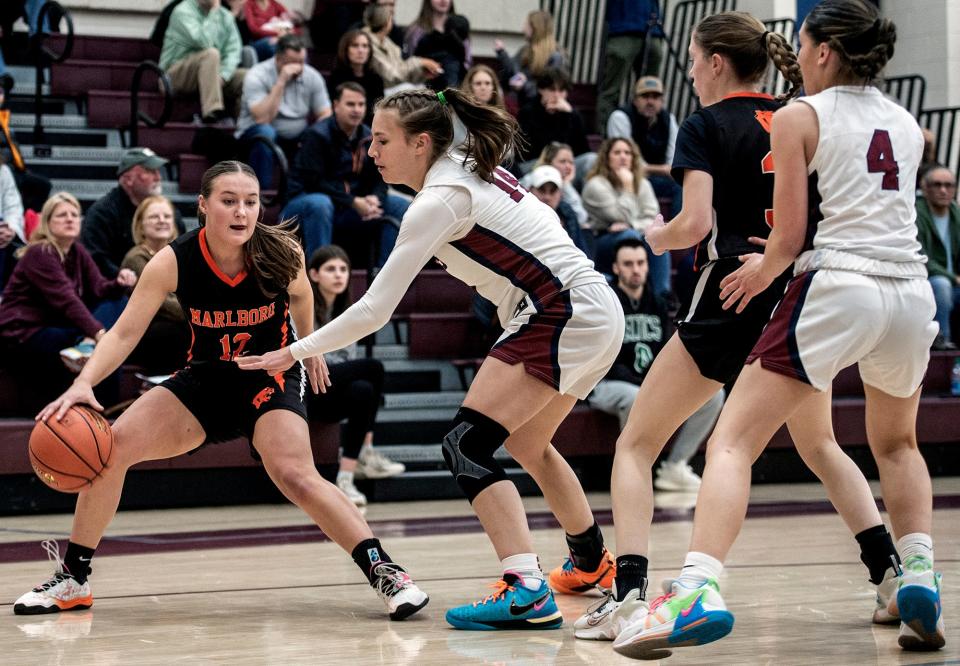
626	17
931	242
331	163
44	292
371	82
540	128
107	233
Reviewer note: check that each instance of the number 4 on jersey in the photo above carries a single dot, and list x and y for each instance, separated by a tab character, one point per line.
880	159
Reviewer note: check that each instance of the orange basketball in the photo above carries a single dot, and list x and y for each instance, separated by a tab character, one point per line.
69	454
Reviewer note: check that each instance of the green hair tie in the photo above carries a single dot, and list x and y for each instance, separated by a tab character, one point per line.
443	100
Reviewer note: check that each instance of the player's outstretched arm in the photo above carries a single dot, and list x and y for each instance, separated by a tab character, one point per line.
694	221
158	279
301	309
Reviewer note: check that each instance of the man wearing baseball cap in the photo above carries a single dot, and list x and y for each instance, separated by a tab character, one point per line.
546	184
106	231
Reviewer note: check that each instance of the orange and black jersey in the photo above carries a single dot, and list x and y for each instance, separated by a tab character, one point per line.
730	140
227	316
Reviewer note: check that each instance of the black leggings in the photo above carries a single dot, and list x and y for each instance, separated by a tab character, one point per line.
355	394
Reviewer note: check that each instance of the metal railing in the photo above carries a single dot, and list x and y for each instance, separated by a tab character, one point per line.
44	57
945	124
910	90
136	114
580	28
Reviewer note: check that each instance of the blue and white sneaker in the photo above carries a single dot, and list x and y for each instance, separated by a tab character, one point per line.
512	605
918	600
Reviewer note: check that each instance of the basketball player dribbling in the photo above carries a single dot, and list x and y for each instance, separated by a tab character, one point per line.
243	287
846	161
562	323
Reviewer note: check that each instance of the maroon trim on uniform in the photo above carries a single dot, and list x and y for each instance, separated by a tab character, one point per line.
536	344
205	251
777	347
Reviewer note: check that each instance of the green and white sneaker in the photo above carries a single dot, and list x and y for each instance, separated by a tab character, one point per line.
682	618
918	600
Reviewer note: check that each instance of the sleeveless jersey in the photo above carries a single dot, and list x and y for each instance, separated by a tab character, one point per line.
863	173
730	140
228	316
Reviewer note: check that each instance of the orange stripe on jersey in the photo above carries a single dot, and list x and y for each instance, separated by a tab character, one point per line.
193	339
765	118
205	251
279	378
755	95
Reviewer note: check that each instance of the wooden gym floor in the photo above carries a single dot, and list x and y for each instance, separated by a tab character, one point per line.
257	585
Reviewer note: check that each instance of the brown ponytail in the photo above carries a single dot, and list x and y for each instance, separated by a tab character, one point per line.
491	131
273	253
854	30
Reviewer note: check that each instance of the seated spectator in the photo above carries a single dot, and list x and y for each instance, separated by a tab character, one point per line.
355	63
356	388
481	82
550	117
540	51
938	230
449	50
546	184
654	129
335	189
433	17
201	51
621	204
34	188
281	96
107	231
11	222
268	21
163	347
397	73
560	156
50	303
647	330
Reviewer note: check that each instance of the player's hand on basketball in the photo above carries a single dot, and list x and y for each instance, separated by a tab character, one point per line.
79	393
272	362
654	235
743	284
318	373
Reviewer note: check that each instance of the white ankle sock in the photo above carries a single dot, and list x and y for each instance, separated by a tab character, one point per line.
697	568
344	476
918	543
528	566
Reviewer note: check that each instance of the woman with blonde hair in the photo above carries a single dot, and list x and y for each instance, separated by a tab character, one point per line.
50	302
540	51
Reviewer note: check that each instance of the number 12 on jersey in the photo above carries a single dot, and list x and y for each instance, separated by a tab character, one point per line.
232	351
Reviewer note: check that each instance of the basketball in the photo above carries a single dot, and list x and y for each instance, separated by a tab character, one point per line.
69	454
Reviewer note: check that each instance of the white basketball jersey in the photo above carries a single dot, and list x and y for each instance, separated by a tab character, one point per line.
510	246
865	170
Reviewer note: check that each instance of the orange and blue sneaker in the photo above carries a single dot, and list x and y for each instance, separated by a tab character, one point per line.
918	600
512	605
568	579
681	618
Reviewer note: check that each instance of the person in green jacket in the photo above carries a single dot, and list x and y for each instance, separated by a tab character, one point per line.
201	54
938	230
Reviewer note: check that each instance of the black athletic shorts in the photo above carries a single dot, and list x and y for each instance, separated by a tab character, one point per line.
720	340
227	401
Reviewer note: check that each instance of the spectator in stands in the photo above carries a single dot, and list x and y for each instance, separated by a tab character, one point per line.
268	21
560	156
355	63
540	51
938	229
546	184
11	222
621	204
356	388
647	330
550	117
50	303
449	49
481	82
433	17
397	73
654	129
201	51
34	188
633	41
163	347
334	186
281	96
107	230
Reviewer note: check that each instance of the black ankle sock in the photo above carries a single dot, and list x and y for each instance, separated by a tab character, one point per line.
631	575
77	561
586	549
878	552
368	553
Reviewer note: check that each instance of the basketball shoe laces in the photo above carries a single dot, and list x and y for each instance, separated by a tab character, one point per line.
52	548
391	578
500	588
662	599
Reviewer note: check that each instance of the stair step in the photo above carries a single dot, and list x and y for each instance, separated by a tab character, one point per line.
79	153
97	188
423	400
425	454
50	122
69	137
432	484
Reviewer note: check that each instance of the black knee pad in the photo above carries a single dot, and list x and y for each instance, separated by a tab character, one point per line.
468	451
